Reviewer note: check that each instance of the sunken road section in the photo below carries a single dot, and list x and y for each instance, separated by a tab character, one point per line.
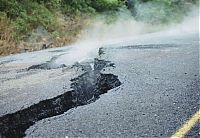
86	89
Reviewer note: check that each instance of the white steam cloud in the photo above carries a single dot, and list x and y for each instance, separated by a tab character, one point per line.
125	28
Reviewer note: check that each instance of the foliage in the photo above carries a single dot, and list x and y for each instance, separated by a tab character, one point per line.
27	15
159	11
90	6
50	4
105	5
77	6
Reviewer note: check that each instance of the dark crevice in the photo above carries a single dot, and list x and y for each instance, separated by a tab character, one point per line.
48	64
86	89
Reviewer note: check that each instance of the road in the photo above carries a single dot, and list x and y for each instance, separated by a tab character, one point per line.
146	87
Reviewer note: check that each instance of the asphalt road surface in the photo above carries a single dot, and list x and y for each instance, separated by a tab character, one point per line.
159	89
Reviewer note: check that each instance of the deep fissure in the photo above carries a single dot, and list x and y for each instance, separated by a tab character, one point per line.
86	89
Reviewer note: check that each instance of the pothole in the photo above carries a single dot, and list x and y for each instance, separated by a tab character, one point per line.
86	89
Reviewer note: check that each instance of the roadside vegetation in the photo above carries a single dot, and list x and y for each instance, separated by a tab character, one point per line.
29	25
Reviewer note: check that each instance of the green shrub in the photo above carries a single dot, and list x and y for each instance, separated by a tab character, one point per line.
50	4
77	6
89	6
159	11
105	5
28	15
11	7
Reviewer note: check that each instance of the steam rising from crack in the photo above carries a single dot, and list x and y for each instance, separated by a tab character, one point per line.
99	34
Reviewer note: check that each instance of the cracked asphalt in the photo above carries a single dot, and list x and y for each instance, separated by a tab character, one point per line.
160	90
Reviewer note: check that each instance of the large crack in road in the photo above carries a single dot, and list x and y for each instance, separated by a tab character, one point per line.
86	89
